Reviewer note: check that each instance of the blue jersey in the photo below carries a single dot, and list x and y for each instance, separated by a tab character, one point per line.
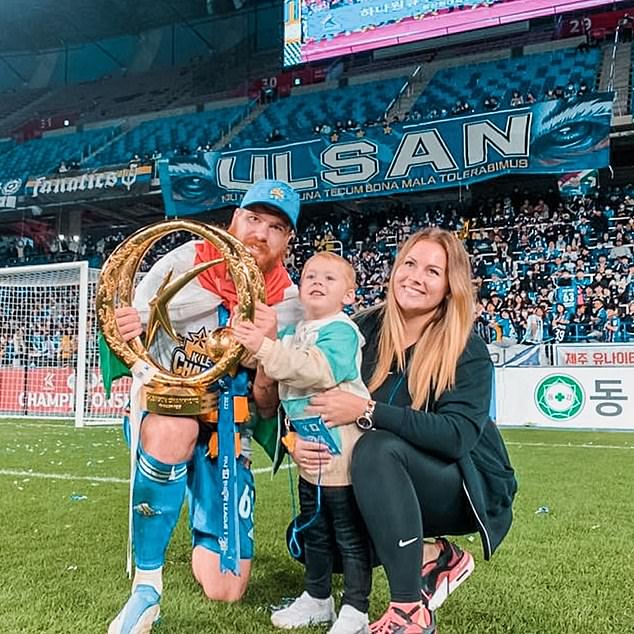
612	334
567	295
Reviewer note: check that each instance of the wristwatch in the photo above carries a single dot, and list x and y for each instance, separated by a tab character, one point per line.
366	420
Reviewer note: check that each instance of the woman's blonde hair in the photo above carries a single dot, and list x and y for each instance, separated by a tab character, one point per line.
435	356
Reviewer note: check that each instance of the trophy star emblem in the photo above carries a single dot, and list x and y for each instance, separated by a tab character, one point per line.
194	342
159	312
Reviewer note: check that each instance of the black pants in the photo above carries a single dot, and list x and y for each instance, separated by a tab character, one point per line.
337	527
405	494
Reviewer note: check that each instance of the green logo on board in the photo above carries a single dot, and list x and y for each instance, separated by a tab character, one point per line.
559	396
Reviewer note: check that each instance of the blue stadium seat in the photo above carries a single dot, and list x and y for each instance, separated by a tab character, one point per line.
168	134
296	116
42	156
538	73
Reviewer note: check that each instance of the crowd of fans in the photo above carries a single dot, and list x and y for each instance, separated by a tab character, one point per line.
562	271
544	269
39	326
569	264
517	99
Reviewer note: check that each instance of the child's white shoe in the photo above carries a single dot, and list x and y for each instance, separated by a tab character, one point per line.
305	610
350	621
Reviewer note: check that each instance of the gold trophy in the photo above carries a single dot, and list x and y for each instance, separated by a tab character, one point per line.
165	392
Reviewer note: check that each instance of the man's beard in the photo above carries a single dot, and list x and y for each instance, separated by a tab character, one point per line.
265	259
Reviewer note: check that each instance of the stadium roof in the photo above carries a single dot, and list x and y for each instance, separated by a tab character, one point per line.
32	25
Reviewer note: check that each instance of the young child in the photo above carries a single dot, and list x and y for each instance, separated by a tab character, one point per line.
322	351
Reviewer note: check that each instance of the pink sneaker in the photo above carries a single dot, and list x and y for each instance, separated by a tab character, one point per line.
419	620
440	577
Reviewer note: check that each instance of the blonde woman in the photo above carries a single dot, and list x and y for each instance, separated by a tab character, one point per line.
433	463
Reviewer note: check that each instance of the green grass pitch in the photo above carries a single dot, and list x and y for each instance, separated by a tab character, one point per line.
63	534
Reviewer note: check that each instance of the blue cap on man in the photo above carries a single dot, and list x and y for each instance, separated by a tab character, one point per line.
276	194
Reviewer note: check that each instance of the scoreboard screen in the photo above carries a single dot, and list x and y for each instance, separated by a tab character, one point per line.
321	29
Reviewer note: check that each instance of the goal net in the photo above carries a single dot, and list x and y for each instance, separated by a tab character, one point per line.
49	357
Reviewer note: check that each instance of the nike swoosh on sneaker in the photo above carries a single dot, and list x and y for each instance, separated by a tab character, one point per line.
406	542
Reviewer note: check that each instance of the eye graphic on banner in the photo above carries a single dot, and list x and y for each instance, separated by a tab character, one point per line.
11	187
568	129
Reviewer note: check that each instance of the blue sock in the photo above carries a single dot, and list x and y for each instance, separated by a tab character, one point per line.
159	491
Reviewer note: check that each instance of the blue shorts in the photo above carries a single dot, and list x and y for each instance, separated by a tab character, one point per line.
205	503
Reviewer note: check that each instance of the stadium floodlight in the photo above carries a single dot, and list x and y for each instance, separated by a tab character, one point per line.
50	362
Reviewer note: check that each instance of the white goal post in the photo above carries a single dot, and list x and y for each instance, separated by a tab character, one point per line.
49	356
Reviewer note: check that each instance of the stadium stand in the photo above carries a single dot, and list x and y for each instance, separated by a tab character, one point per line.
535	74
47	154
524	249
296	117
184	134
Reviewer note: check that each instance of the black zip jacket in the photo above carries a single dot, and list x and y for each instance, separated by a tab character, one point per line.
456	428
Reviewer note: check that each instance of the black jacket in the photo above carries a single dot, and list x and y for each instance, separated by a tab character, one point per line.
456	428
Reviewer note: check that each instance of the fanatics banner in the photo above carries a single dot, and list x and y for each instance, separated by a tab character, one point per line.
552	137
106	182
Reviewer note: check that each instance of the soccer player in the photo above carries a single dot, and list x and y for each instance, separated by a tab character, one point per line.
173	454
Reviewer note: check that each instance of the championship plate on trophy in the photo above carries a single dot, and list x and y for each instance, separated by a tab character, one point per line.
165	392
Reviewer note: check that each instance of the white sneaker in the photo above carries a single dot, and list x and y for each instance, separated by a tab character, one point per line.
305	610
350	621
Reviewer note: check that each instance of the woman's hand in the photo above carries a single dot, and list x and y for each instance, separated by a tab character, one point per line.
337	407
310	456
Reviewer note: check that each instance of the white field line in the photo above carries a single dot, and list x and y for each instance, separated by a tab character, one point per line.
21	473
26	425
515	443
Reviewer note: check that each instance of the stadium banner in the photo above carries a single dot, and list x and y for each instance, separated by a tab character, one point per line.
52	391
569	398
518	354
550	137
109	182
581	183
9	192
583	355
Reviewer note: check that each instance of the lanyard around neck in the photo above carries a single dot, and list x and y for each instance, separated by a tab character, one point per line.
395	389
